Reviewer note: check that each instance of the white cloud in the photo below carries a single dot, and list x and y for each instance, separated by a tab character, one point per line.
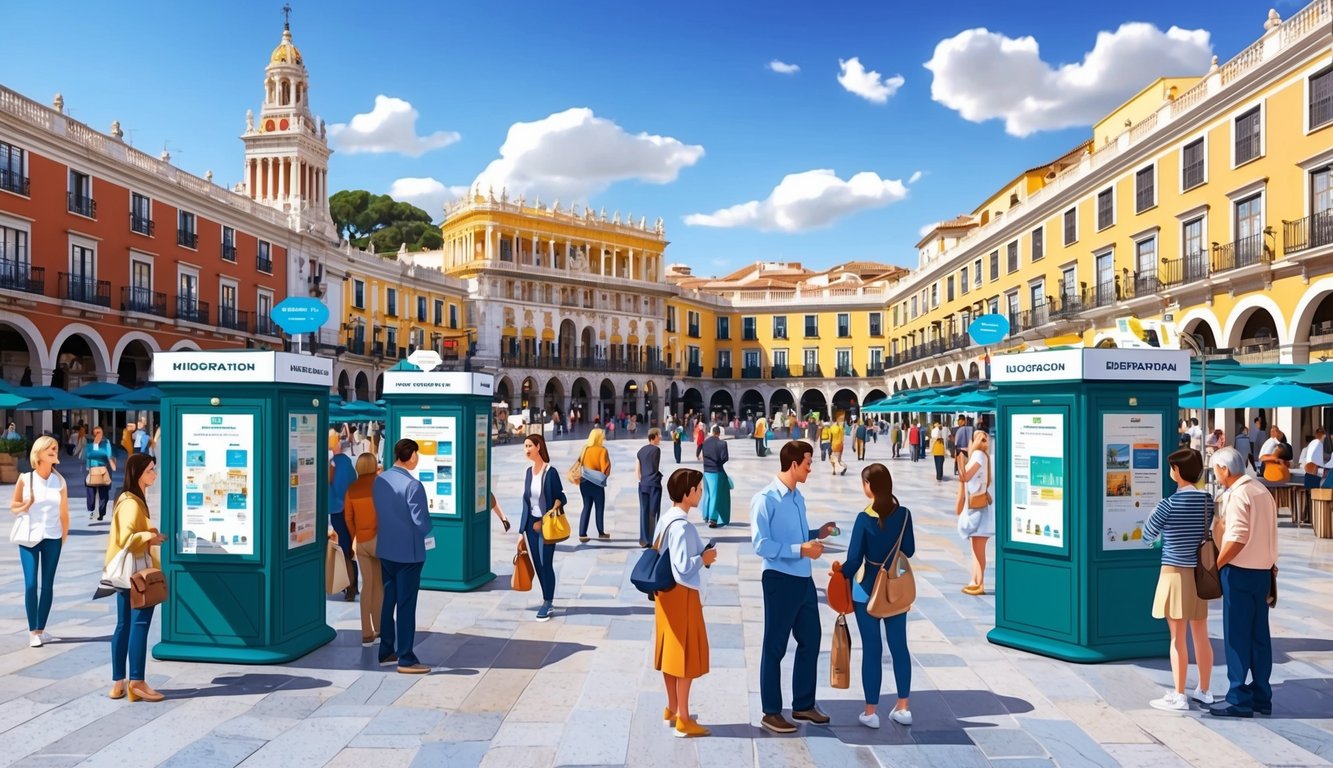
805	201
391	126
783	68
574	154
871	86
425	193
926	229
915	177
985	75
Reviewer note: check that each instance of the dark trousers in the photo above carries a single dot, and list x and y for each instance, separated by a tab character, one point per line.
939	467
130	640
98	496
759	447
594	500
650	507
398	617
338	521
44	556
543	561
1245	637
791	609
675	446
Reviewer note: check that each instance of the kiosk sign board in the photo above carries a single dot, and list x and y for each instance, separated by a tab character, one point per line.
437	444
1131	476
1038	467
302	478
218	488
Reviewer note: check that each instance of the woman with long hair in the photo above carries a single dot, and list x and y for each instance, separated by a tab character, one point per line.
592	487
131	527
362	525
875	535
976	478
99	462
542	491
41	495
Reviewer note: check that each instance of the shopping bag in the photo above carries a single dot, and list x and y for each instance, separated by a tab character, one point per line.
839	590
336	578
840	658
521	581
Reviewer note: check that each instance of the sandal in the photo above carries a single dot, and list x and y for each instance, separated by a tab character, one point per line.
974	590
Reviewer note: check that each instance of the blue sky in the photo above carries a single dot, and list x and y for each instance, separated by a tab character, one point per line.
695	73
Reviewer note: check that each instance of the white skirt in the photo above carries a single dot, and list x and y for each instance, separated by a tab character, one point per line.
977	522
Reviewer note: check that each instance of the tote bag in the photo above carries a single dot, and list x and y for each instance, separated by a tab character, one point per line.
25	532
1207	581
521	581
840	656
895	584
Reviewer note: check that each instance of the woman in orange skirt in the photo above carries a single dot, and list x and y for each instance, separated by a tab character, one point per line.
681	651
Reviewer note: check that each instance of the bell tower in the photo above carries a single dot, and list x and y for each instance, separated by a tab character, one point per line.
286	149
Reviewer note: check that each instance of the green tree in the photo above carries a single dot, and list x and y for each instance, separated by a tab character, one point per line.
382	222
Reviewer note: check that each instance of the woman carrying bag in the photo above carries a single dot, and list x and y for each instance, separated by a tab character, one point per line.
132	529
883	529
542	491
977	518
99	463
363	526
595	473
41	510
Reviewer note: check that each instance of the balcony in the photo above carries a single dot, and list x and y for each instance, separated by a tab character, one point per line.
693	332
845	372
1069	307
264	326
1190	268
1107	293
229	253
85	289
191	310
752	372
356	346
12	181
779	372
265	264
377	349
187	238
1310	232
144	300
82	205
810	372
21	276
233	318
141	224
875	371
1146	284
722	373
694	371
1244	252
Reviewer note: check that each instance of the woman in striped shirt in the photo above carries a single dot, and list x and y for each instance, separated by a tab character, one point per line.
1181	520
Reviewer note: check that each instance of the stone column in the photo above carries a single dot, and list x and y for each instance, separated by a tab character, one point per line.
490	254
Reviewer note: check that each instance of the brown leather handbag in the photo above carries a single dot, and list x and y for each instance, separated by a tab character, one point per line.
148	587
521	581
983	499
895	584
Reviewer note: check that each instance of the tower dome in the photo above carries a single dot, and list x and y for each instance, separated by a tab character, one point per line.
286	52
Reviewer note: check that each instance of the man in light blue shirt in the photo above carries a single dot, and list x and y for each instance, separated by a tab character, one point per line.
784	539
404	524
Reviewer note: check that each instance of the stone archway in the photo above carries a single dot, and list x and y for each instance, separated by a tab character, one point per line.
1202	331
752	405
362	388
1257	339
692	401
76	362
721	404
606	396
135	364
813	401
567	344
580	394
504	391
846	402
974	371
1315	327
874	396
20	355
527	393
344	386
554	397
379	386
781	399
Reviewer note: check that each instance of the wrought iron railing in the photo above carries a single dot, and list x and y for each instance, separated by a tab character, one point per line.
192	310
21	276
141	224
1310	232
1244	252
87	290
143	300
187	238
233	318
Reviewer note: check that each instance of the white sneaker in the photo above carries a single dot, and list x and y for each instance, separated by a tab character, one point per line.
901	716
869	721
34	641
1202	696
47	637
1171	702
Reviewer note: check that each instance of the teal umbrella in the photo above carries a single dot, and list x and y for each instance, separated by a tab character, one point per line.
403	365
1274	393
101	390
56	399
1316	373
11	400
146	398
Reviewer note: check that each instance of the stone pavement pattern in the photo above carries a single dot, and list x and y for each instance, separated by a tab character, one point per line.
580	689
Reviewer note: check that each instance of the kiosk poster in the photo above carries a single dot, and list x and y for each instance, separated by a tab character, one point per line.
302	478
482	472
438	449
1132	476
217	488
1037	443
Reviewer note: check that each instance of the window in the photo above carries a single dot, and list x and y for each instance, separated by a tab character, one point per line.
1249	230
1248	136
877	323
1068	285
1012	301
264	257
1145	264
994	266
844	325
506	250
914	312
140	298
439	312
1012	256
359	294
82	264
229	244
671	320
750	360
1321	193
693	320
81	194
1037	295
994	305
876	365
186	234
1105	209
810	359
228	316
724	360
1321	105
453	316
934	295
779	326
391	306
812	326
780	360
13	169
948	289
421	309
141	214
976	273
844	362
1071	226
264	313
963	281
749	329
1038	243
14	258
1145	189
1106	282
228	296
391	341
1192	248
188	306
1193	165
723	328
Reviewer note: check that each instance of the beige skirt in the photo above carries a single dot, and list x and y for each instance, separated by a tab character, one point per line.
1176	596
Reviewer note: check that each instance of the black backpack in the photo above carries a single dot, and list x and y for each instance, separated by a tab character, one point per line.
652	574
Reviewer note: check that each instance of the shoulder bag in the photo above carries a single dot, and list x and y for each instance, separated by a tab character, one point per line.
839	591
148	587
555	526
652	574
895	584
521	581
983	499
1207	581
25	532
575	473
98	477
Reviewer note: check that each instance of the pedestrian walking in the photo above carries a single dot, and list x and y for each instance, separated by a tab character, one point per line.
962	438
595	475
98	463
681	644
542	491
860	434
938	450
677	433
717	485
362	523
760	430
875	535
132	527
914	441
43	496
499	513
837	436
1247	562
699	439
896	439
141	437
342	473
402	528
784	540
976	477
825	441
649	474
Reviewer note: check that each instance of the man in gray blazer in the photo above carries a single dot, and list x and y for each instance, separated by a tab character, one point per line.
404	525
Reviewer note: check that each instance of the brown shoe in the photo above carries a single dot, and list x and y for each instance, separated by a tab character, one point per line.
604	536
778	724
810	716
413	669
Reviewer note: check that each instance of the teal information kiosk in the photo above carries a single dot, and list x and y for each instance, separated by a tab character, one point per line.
449	415
244	488
1083	436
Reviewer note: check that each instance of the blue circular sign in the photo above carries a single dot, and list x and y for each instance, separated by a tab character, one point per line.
988	329
300	314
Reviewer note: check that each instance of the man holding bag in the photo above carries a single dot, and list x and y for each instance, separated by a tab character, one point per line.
404	527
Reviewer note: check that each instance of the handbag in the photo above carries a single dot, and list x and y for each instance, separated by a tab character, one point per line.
840	656
98	477
983	499
148	587
25	532
839	591
118	575
555	526
652	574
895	584
521	581
575	473
336	578
1207	581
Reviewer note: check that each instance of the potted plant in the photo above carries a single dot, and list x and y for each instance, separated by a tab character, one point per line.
10	451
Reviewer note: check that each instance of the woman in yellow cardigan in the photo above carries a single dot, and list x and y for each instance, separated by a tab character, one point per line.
592	486
131	527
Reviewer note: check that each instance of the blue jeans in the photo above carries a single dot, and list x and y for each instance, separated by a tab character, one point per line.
1246	638
130	638
872	653
402	582
44	555
791	609
98	496
594	499
543	560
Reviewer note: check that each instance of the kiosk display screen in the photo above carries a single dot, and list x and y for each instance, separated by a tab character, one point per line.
217	484
302	478
483	465
1038	449
438	450
1131	476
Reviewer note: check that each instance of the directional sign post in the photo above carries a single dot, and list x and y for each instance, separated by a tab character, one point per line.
300	315
987	330
425	359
